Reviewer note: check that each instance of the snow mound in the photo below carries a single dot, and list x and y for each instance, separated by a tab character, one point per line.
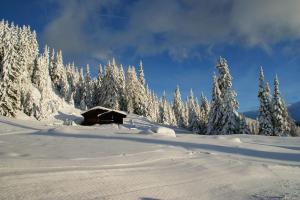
236	140
164	131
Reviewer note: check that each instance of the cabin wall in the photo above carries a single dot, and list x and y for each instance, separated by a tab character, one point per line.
90	120
91	117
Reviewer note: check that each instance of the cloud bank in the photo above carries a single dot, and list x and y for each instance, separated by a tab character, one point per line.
103	28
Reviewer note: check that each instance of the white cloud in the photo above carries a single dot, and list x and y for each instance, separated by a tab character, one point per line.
177	27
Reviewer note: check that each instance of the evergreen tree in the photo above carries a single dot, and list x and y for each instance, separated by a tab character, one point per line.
130	89
230	116
163	110
215	114
178	107
243	126
265	107
110	96
58	74
80	87
89	88
281	119
122	89
196	119
205	108
192	112
10	73
28	104
141	74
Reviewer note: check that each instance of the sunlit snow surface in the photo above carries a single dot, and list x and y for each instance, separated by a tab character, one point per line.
45	160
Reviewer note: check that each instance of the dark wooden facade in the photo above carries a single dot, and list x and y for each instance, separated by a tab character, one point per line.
101	115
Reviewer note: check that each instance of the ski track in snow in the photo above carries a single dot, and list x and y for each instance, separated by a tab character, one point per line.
38	161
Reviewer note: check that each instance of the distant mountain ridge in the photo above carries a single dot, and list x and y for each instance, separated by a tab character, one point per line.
294	110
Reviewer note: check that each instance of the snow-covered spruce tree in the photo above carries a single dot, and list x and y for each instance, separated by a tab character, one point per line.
193	113
58	74
141	99
214	126
110	96
28	104
141	74
171	115
27	48
178	107
196	122
191	108
152	106
40	70
205	108
122	89
44	102
230	116
265	107
89	88
10	72
97	86
72	78
185	111
243	126
281	120
136	94
164	110
130	88
78	97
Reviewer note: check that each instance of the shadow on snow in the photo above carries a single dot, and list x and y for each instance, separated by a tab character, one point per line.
281	156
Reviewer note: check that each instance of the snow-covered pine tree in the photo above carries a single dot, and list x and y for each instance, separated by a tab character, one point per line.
27	48
185	114
41	71
178	107
10	72
141	74
192	115
110	96
89	88
28	104
98	85
141	98
230	116
152	106
196	120
163	110
72	81
171	115
205	108
243	126
265	107
122	89
130	88
136	94
282	123
78	97
215	115
58	74
44	102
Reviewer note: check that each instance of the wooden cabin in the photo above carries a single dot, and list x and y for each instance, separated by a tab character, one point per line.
102	115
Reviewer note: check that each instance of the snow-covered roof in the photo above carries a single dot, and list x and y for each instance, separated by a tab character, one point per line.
103	108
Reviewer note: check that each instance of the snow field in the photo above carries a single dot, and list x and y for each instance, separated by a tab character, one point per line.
42	161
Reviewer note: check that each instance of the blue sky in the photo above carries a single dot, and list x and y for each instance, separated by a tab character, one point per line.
178	40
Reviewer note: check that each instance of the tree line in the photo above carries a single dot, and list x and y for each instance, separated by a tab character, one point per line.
38	84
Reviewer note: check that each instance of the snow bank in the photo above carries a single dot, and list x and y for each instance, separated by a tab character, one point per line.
236	140
228	138
160	130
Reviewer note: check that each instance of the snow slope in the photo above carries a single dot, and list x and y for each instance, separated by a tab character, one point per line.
42	161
